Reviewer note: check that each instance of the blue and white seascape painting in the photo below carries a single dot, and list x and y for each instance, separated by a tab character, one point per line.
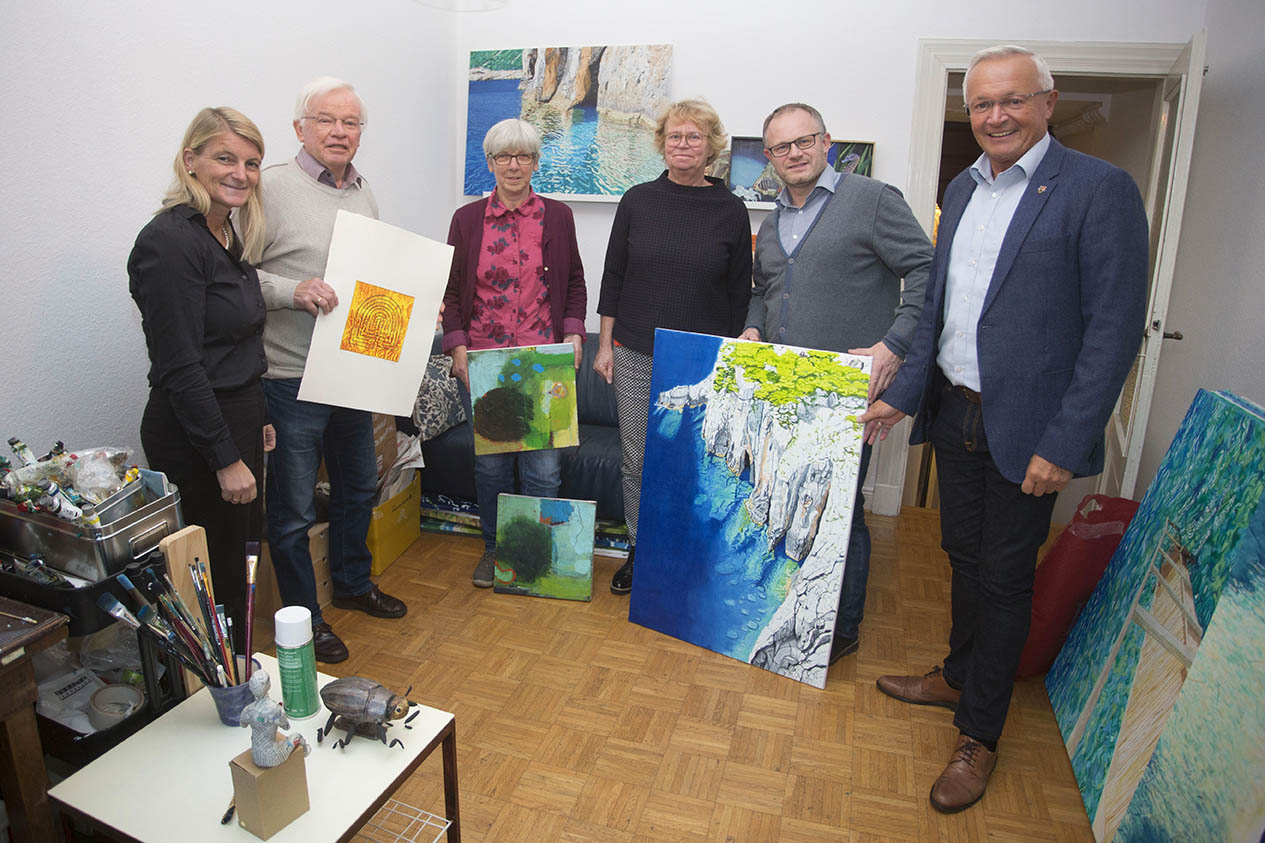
748	485
1158	690
595	109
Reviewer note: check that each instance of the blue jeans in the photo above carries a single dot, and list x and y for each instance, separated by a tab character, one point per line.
305	433
856	569
539	475
991	531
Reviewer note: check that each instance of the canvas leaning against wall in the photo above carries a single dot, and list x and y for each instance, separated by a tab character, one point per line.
751	177
524	398
748	486
595	109
544	547
1158	689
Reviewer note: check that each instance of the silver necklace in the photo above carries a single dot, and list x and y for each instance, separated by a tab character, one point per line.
224	231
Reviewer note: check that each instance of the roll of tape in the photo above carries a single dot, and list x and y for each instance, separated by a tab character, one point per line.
113	704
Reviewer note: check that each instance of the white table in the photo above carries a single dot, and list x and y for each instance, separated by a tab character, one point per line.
171	781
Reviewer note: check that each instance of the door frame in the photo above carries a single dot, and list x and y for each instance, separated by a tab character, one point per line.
936	58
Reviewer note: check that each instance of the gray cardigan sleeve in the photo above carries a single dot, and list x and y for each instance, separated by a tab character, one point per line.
902	245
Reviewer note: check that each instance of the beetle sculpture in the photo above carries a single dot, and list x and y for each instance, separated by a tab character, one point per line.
363	707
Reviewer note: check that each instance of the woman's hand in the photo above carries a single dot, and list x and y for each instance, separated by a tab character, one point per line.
315	296
577	341
604	362
460	364
270	438
237	483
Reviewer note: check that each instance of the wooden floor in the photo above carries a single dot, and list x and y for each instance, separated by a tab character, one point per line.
575	725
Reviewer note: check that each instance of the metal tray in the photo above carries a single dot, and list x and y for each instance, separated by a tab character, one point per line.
133	521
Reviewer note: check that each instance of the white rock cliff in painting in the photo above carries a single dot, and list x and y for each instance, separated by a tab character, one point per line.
790	415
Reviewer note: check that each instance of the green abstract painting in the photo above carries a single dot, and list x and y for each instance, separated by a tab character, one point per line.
544	547
524	398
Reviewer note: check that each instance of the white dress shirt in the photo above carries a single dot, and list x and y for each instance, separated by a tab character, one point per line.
973	257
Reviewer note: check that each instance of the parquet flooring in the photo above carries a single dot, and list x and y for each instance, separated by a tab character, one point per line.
575	725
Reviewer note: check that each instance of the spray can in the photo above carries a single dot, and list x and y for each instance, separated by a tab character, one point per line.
21	451
296	661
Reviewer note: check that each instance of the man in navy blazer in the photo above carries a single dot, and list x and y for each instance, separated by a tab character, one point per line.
1033	318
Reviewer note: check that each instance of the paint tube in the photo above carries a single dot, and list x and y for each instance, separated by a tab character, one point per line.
21	451
57	502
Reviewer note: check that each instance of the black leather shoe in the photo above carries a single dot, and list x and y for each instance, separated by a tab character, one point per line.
329	648
621	583
374	602
841	647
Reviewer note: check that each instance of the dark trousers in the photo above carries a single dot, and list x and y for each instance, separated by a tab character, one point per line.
228	526
344	437
992	532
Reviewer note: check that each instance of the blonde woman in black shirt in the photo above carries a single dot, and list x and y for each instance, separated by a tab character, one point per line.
191	276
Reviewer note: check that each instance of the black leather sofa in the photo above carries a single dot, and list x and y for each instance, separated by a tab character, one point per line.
590	470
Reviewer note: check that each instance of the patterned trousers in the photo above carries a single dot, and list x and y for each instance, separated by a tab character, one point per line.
632	395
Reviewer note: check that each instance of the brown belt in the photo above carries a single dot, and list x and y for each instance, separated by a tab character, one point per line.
970	394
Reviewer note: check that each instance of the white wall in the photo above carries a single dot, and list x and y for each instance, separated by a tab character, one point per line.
97	97
1218	299
99	94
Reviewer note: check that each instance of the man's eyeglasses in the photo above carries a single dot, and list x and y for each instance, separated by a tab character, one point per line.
325	122
692	140
778	150
1015	102
504	158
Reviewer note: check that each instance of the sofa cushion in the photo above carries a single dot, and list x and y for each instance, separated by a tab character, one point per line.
438	406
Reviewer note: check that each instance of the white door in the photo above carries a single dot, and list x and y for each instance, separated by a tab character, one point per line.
1165	198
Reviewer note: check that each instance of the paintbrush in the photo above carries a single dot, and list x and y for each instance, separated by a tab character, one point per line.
140	599
226	649
25	619
252	569
111	605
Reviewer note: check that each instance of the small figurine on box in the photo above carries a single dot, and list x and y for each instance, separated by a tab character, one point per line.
268	747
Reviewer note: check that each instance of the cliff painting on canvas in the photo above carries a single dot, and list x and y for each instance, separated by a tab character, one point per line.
523	398
595	108
544	547
1158	689
749	480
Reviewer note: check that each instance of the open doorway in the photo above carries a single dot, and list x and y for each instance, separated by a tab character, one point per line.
1115	118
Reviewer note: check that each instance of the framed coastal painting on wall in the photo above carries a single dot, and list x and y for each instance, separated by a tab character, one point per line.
752	450
595	108
751	176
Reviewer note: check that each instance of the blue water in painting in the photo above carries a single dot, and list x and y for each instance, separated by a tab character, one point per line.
581	153
1203	782
1209	485
704	570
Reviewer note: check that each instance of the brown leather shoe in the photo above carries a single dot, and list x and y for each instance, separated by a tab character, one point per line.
962	783
928	689
327	646
374	602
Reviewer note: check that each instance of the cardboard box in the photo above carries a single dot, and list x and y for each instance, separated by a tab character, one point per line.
268	595
384	450
395	525
269	798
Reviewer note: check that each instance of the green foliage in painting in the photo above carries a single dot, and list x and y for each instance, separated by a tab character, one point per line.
524	545
787	376
497	59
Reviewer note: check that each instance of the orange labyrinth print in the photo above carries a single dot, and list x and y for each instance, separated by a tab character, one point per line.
377	322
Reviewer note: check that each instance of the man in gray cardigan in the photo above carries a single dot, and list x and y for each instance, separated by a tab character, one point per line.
301	199
828	267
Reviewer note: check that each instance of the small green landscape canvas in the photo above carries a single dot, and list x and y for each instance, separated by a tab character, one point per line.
524	398
544	547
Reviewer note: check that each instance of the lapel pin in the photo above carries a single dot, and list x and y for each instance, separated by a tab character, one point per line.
1041	189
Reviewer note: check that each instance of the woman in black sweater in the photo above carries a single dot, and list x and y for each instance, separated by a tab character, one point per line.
679	257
